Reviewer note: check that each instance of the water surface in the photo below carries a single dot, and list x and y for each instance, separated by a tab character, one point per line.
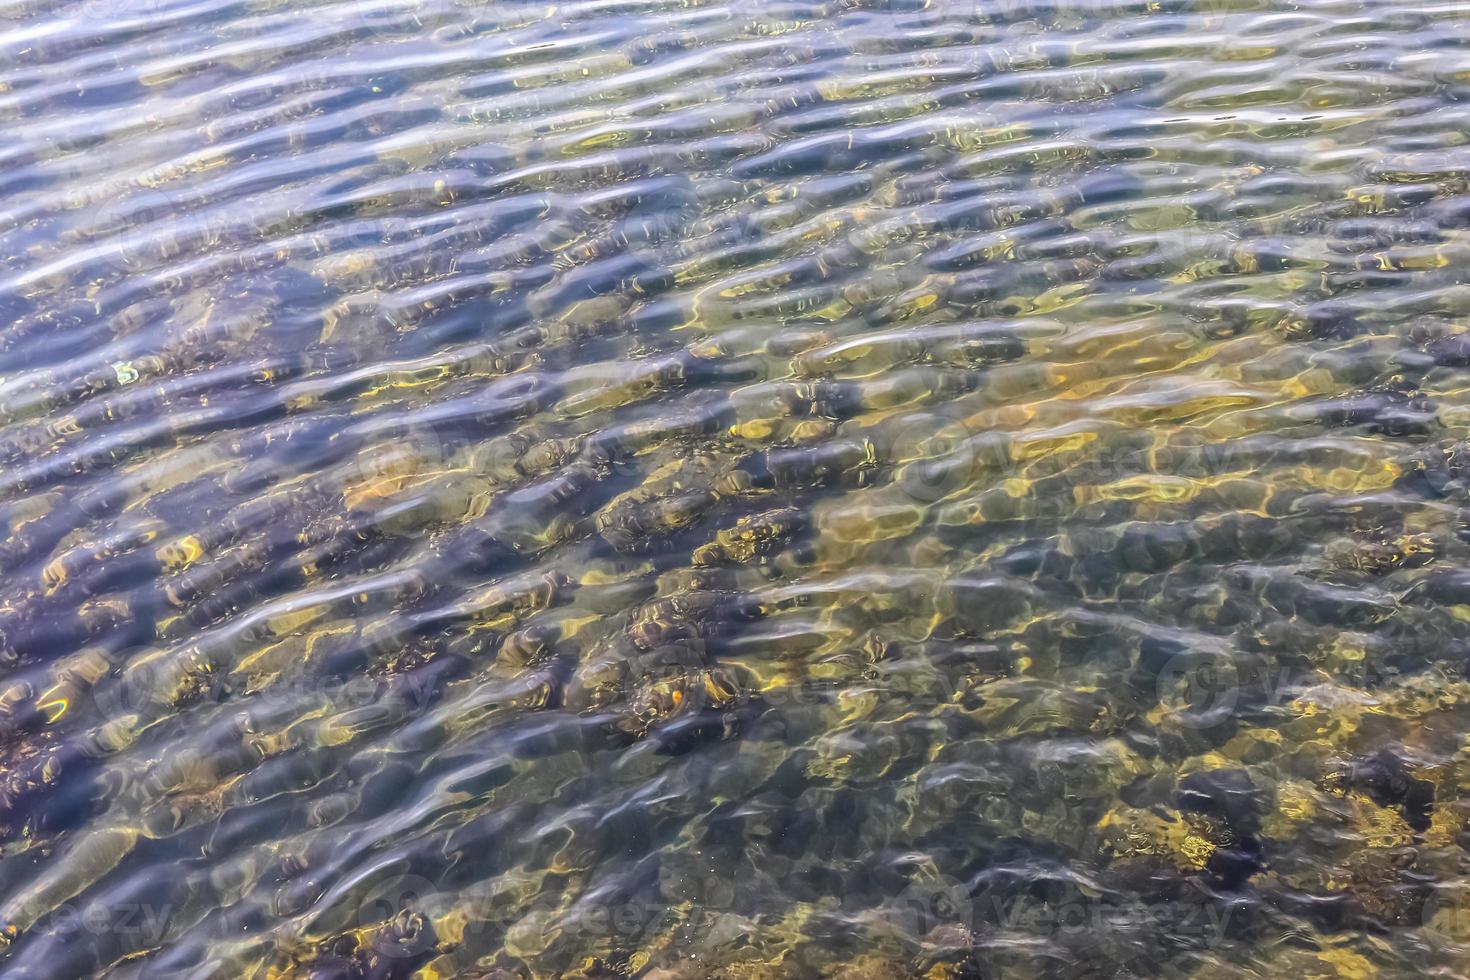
868	489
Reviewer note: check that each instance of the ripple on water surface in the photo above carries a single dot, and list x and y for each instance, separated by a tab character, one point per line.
876	488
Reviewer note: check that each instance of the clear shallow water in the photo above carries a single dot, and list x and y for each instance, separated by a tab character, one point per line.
734	490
